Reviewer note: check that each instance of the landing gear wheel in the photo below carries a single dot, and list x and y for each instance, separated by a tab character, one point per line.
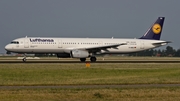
93	59
83	59
24	59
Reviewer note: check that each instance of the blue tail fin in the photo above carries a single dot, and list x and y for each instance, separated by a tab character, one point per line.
154	32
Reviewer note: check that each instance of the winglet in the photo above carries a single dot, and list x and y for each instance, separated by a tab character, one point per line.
154	32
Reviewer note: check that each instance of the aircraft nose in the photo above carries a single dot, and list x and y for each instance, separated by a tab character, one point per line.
7	47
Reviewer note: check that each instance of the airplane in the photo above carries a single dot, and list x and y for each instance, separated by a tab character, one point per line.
83	48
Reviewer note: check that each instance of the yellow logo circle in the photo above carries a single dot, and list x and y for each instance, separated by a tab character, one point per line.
156	28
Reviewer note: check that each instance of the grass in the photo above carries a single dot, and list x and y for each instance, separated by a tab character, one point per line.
77	74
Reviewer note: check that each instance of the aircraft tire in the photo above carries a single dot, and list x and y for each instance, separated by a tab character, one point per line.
24	59
93	59
83	59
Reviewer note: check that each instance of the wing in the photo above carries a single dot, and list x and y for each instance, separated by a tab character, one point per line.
93	49
104	47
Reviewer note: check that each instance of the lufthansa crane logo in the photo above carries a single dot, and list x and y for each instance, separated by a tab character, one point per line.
156	28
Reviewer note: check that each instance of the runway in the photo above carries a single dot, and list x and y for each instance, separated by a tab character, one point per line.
98	61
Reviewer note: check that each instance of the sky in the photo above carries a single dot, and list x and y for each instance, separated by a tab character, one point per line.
87	18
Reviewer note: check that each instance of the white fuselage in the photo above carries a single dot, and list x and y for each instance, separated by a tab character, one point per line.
64	45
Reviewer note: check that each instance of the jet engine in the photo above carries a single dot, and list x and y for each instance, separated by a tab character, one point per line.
79	54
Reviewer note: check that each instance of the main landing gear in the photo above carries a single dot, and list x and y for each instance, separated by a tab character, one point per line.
83	59
93	59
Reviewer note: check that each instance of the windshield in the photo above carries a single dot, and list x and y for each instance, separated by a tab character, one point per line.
14	42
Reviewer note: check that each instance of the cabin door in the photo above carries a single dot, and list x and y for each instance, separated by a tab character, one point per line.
100	43
59	43
26	43
141	44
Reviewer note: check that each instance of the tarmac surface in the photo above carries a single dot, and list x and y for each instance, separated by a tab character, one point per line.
98	61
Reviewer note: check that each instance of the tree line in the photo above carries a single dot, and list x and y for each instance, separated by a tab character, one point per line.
168	52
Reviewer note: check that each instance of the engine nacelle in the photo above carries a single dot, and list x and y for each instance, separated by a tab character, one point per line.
79	54
63	55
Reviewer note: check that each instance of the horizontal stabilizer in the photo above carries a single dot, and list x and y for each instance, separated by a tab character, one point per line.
160	43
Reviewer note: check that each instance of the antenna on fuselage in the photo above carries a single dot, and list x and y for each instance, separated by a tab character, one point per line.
26	37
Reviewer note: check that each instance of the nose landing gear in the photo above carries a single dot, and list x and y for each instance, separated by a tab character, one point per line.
24	59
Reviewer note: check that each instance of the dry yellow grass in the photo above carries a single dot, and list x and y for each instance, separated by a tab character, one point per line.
140	94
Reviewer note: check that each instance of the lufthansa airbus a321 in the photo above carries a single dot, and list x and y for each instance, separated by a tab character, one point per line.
83	48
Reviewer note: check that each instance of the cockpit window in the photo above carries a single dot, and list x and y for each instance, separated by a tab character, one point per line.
14	42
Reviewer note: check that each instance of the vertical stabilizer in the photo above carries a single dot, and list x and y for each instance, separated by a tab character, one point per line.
154	32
